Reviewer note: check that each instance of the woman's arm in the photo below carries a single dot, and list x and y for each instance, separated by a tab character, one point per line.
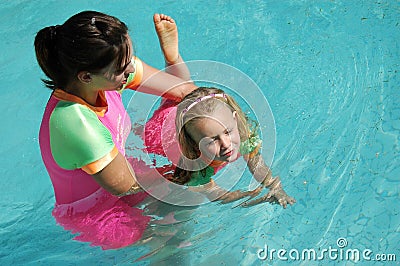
118	177
178	69
163	84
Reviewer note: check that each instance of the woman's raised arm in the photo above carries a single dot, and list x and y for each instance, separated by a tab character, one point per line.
163	84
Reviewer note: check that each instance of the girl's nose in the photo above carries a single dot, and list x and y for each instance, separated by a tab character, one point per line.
225	141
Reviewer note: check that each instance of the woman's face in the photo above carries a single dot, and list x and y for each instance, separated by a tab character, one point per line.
114	77
217	135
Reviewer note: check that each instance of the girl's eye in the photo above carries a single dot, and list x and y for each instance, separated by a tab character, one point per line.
211	142
228	132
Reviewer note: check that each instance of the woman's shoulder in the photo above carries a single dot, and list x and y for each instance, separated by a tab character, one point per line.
73	119
70	111
77	136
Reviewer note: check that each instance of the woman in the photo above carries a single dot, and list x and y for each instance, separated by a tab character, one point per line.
88	61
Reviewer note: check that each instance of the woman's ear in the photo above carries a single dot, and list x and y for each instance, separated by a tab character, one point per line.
84	77
234	114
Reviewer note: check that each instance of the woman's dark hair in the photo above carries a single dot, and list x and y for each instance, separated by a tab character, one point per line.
88	41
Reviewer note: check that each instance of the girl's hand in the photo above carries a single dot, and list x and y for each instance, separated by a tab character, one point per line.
276	194
279	197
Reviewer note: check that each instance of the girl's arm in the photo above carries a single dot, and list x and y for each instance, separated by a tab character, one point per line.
263	174
164	84
216	193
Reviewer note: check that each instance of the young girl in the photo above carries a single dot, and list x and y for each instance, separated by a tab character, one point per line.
211	126
212	131
88	61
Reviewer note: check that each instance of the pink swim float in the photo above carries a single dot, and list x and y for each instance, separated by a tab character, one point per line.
159	134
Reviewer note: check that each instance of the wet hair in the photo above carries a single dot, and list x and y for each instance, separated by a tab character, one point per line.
88	41
188	114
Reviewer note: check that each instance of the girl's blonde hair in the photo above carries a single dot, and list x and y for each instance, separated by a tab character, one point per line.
197	105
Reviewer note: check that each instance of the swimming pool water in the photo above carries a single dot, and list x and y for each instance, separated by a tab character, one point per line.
329	70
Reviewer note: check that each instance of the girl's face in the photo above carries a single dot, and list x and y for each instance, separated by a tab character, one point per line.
218	135
114	77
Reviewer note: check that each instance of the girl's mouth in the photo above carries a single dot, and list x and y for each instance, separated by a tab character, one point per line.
228	154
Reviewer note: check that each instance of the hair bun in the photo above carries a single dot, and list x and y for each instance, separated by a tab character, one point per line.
53	31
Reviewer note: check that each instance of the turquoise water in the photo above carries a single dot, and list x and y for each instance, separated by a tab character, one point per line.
329	70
